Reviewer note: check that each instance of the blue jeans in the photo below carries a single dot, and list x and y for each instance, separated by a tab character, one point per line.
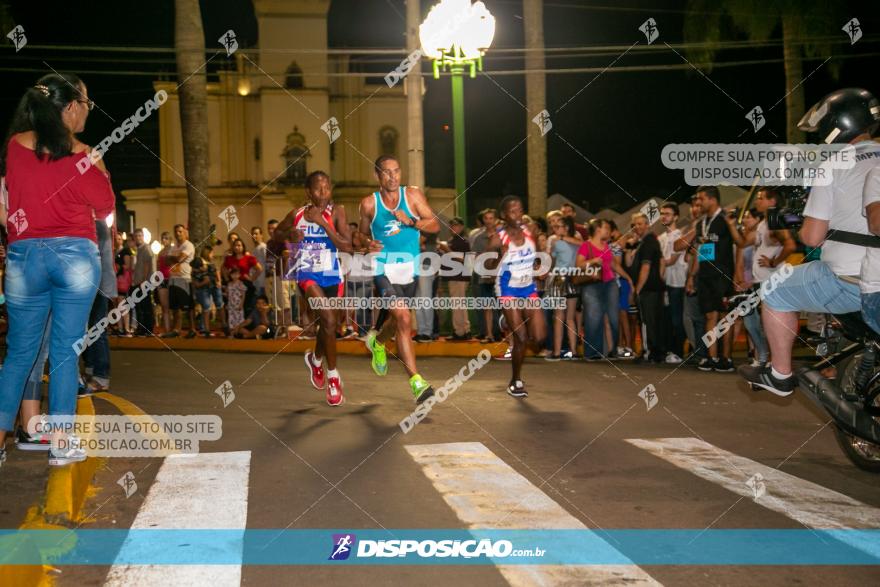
752	322
97	355
43	275
599	300
813	287
33	389
871	310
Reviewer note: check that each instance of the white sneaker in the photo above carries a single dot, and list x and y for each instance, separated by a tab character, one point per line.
624	352
672	359
70	453
757	363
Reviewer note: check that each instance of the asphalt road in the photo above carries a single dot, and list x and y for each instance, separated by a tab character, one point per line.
348	468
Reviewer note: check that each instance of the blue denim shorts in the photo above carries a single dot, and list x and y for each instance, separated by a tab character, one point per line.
813	287
871	310
207	295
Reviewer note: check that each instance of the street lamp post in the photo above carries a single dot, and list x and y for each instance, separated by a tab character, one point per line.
456	35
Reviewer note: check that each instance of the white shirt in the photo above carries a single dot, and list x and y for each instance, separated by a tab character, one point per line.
676	274
181	269
841	205
870	275
765	246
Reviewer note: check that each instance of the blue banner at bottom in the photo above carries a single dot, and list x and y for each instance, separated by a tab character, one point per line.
439	547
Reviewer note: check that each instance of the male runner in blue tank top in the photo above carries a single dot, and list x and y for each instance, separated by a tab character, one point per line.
321	230
393	217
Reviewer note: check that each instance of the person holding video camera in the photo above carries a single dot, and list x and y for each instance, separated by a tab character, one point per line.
870	276
833	217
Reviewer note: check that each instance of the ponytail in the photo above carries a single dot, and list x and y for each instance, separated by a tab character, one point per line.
39	110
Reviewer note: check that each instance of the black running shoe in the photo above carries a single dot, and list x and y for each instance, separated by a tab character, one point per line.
24	441
707	364
724	365
762	377
517	389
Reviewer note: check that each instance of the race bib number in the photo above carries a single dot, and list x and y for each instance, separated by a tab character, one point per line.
706	252
520	277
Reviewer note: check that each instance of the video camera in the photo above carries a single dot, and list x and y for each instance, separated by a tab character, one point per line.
791	214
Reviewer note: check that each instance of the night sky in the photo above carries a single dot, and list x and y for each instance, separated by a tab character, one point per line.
620	122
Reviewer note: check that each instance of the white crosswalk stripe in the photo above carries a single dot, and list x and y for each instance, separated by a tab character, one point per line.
810	504
203	491
485	492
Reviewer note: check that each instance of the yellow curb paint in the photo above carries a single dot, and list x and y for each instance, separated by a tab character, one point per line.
343	347
66	492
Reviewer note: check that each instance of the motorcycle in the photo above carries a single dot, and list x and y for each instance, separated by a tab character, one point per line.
852	398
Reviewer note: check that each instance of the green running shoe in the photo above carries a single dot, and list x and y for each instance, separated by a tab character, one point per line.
421	390
379	361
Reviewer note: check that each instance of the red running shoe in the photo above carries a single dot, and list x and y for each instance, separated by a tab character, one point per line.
316	374
334	392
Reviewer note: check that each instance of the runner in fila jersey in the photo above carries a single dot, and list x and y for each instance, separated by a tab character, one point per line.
392	218
515	280
321	231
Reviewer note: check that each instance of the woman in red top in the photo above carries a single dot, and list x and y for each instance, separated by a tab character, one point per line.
249	267
53	264
599	299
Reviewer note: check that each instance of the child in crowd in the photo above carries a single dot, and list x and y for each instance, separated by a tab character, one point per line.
259	323
235	293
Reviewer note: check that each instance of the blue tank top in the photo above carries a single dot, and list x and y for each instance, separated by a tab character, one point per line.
400	243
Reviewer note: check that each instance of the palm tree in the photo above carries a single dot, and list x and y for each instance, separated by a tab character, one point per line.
536	101
799	21
189	41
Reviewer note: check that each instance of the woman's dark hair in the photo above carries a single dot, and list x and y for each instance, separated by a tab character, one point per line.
612	225
596	224
568	221
756	214
39	110
542	224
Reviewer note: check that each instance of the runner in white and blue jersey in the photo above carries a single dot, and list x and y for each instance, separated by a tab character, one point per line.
321	230
516	281
392	218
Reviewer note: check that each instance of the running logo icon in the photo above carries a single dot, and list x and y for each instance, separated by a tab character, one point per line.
852	28
543	121
649	28
19	40
229	216
331	127
651	211
756	484
649	395
229	42
18	220
756	117
128	484
225	392
342	546
392	227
